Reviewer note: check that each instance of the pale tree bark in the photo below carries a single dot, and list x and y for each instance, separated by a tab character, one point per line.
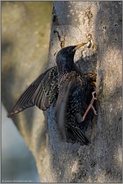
101	161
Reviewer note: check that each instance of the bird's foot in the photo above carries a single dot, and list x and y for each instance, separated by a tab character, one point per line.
90	106
95	112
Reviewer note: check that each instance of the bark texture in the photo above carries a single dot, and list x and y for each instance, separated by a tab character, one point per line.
101	161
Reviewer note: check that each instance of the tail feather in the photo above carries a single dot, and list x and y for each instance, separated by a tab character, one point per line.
77	135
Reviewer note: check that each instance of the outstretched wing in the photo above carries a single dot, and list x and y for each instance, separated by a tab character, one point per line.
41	92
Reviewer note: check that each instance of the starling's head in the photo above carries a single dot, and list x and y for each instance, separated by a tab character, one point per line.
66	53
65	56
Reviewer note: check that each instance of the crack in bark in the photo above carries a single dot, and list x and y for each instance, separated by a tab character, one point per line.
62	42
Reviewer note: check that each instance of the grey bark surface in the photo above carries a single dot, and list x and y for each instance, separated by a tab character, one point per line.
101	161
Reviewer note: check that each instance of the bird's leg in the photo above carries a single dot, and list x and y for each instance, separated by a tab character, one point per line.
95	112
90	106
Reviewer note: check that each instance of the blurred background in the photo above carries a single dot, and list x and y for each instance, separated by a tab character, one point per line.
18	163
25	44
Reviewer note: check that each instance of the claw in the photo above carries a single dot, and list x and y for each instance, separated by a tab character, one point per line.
95	112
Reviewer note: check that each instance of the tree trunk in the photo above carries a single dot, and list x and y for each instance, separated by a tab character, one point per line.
71	24
101	161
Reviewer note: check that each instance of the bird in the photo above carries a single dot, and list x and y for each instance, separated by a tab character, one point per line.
71	92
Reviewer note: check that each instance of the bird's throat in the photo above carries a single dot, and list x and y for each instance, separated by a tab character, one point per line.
66	68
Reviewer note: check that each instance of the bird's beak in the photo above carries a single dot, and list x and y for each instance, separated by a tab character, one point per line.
79	45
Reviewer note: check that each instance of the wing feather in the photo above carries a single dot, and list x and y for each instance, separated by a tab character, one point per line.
41	92
60	109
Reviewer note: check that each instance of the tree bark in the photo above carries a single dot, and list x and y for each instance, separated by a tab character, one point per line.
101	161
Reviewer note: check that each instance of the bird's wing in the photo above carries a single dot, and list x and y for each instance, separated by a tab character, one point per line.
73	99
62	100
41	92
69	83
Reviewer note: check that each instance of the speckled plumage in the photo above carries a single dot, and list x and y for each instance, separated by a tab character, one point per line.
69	89
41	92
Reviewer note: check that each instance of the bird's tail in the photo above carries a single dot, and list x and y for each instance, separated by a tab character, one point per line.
76	135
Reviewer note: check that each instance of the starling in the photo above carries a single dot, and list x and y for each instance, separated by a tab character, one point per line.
71	91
